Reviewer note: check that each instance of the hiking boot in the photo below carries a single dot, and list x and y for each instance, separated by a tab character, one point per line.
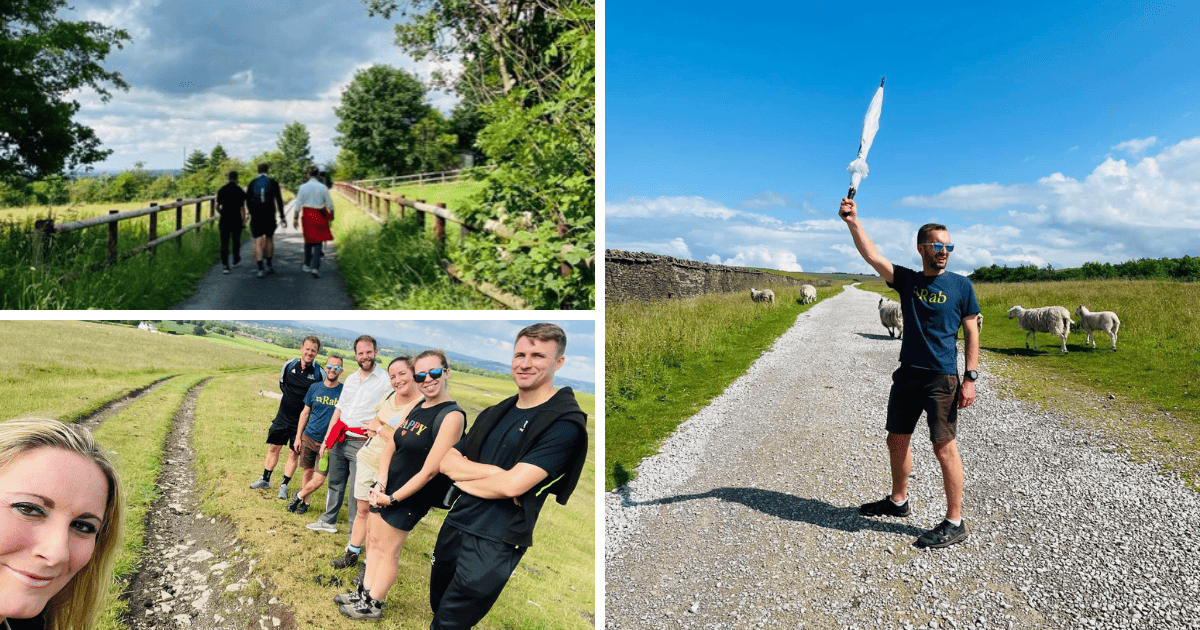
283	491
362	573
294	503
944	535
261	484
366	609
885	507
346	561
322	526
302	508
349	598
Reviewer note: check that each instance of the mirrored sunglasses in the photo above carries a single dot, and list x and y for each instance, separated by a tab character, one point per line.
433	374
333	368
937	247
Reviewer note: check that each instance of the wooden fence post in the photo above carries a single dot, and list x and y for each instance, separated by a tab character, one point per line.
402	206
439	226
112	239
179	224
199	209
153	226
41	243
420	218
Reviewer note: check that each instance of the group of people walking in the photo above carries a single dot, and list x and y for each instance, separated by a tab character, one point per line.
259	203
397	442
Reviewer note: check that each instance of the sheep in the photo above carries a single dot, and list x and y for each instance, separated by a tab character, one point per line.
978	323
766	295
1101	320
808	294
891	317
1055	320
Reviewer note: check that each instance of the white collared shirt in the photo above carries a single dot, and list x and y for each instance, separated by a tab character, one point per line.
359	396
313	194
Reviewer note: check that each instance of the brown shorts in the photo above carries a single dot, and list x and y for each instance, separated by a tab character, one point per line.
309	449
915	390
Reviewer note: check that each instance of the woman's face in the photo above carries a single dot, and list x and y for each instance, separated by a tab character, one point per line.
432	387
401	376
51	509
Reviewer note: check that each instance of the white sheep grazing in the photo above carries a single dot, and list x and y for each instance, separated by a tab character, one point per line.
1101	320
1055	320
808	294
978	323
891	317
766	295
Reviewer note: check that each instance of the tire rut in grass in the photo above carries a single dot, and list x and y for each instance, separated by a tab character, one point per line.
113	407
195	571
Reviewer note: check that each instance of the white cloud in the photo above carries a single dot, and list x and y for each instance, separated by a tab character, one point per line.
1136	146
766	199
763	256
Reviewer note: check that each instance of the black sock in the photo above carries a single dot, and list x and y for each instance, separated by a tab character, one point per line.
267	475
286	480
260	265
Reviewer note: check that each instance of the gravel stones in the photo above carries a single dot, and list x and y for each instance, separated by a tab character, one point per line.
748	516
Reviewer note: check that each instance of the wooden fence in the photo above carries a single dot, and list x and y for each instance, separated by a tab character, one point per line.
419	178
379	205
49	228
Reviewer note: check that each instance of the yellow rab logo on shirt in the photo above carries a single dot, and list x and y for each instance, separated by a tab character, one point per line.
925	295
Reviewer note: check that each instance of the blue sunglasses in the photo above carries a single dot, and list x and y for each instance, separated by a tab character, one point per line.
333	368
433	374
937	247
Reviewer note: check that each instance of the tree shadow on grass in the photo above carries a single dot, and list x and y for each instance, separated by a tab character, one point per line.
787	507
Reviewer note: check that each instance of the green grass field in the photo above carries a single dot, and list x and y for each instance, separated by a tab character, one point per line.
62	378
666	360
1154	377
453	194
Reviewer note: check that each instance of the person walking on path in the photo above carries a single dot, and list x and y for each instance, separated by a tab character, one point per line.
231	204
516	454
295	378
319	404
399	500
355	408
934	304
264	199
315	212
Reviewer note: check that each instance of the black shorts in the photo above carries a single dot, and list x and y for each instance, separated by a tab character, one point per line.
282	433
915	390
403	515
263	227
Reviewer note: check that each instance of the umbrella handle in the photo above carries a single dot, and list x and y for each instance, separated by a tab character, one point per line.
850	195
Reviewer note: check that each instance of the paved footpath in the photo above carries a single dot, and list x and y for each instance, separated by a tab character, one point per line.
748	516
288	288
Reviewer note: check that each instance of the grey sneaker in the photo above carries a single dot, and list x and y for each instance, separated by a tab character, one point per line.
226	269
349	598
283	491
348	560
316	273
261	273
261	484
322	526
366	609
305	268
944	535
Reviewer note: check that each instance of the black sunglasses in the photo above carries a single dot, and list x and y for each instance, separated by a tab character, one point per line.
433	374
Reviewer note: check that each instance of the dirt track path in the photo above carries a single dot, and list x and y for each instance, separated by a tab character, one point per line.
748	516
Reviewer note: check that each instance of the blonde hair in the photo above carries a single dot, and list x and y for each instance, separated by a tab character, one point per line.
80	602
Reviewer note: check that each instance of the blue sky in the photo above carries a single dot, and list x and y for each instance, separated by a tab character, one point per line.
1044	133
234	73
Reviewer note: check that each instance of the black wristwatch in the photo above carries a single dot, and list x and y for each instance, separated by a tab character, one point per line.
971	375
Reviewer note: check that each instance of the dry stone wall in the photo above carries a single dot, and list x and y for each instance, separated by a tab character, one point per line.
642	277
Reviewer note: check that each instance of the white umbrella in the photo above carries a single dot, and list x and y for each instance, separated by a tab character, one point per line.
858	168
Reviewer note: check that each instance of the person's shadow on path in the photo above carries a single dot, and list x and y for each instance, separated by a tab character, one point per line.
787	507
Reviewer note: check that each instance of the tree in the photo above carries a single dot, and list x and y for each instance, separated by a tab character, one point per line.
218	157
196	162
433	148
42	58
293	144
376	117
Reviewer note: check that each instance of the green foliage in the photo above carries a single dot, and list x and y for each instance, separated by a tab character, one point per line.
42	58
376	119
217	157
433	148
1186	268
296	155
197	162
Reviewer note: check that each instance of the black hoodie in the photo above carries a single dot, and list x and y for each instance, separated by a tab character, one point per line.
561	407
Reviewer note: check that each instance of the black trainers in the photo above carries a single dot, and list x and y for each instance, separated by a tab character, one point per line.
944	535
366	609
885	507
294	503
348	560
302	508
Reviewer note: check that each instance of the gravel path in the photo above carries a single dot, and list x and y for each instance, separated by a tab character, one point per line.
748	516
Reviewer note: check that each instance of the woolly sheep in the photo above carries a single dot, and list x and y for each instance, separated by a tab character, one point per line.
891	317
1100	320
808	294
978	322
1055	320
766	295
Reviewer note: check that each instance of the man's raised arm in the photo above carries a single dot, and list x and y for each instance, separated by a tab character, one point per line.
849	214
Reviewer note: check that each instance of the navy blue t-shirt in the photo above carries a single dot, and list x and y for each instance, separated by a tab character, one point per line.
321	399
488	518
933	307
